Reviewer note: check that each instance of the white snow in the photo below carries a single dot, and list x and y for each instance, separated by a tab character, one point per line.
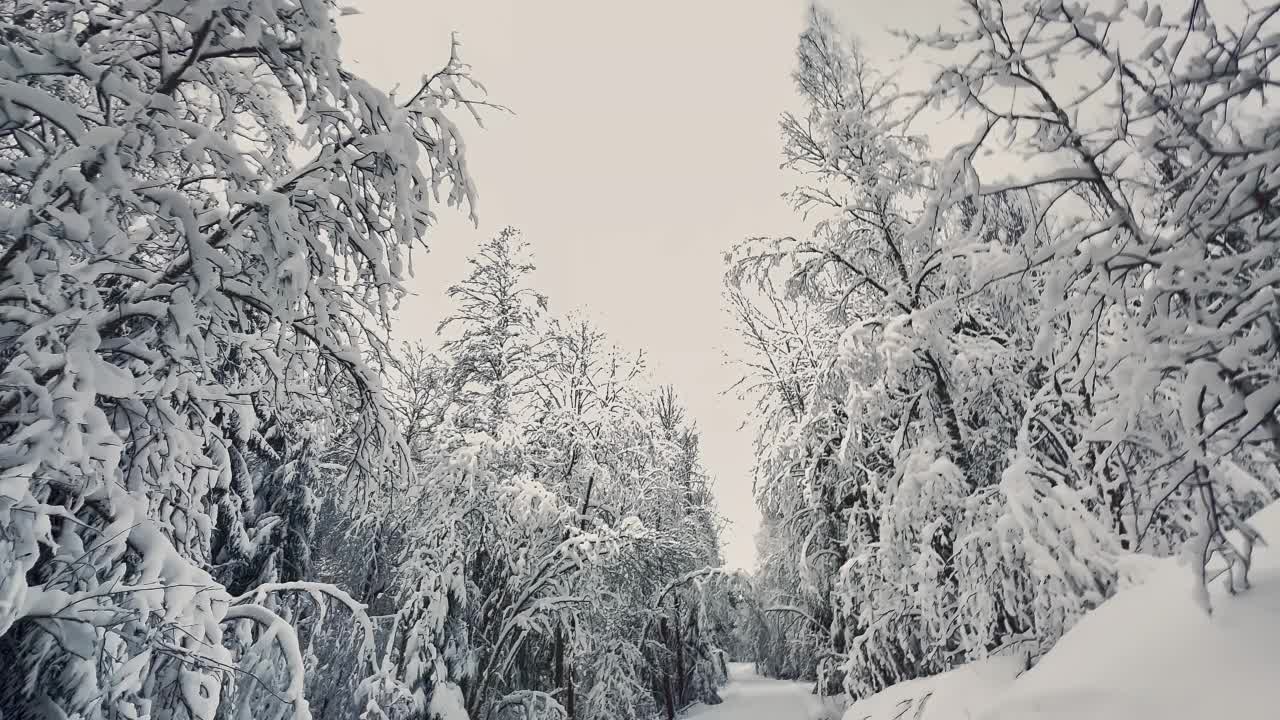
751	697
949	696
1150	652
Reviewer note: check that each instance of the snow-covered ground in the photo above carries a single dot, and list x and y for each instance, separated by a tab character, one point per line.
1150	653
949	696
751	697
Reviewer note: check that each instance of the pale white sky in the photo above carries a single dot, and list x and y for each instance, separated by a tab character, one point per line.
645	143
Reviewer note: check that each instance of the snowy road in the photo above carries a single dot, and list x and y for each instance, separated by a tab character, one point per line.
751	697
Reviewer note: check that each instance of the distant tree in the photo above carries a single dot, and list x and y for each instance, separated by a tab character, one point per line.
496	317
582	493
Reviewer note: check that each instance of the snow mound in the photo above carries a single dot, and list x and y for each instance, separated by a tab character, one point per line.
949	696
1149	653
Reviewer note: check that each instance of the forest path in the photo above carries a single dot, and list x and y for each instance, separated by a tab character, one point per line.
751	697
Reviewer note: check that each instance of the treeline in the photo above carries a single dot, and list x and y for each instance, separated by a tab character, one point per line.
555	554
225	491
988	375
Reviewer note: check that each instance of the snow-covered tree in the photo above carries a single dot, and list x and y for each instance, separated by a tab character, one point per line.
980	389
558	491
883	465
1157	323
496	318
172	277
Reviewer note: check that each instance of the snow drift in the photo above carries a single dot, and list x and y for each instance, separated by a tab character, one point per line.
1149	653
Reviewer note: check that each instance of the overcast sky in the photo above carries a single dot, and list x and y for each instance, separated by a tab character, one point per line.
644	144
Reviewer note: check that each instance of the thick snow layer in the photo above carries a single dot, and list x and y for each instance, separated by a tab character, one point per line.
1149	653
751	697
949	696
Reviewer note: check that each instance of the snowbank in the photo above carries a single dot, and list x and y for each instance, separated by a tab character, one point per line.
949	696
1149	653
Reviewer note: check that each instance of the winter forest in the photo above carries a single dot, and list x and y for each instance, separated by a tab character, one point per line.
1011	379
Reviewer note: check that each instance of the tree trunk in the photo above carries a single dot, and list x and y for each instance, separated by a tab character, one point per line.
558	645
668	701
564	664
681	690
569	702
